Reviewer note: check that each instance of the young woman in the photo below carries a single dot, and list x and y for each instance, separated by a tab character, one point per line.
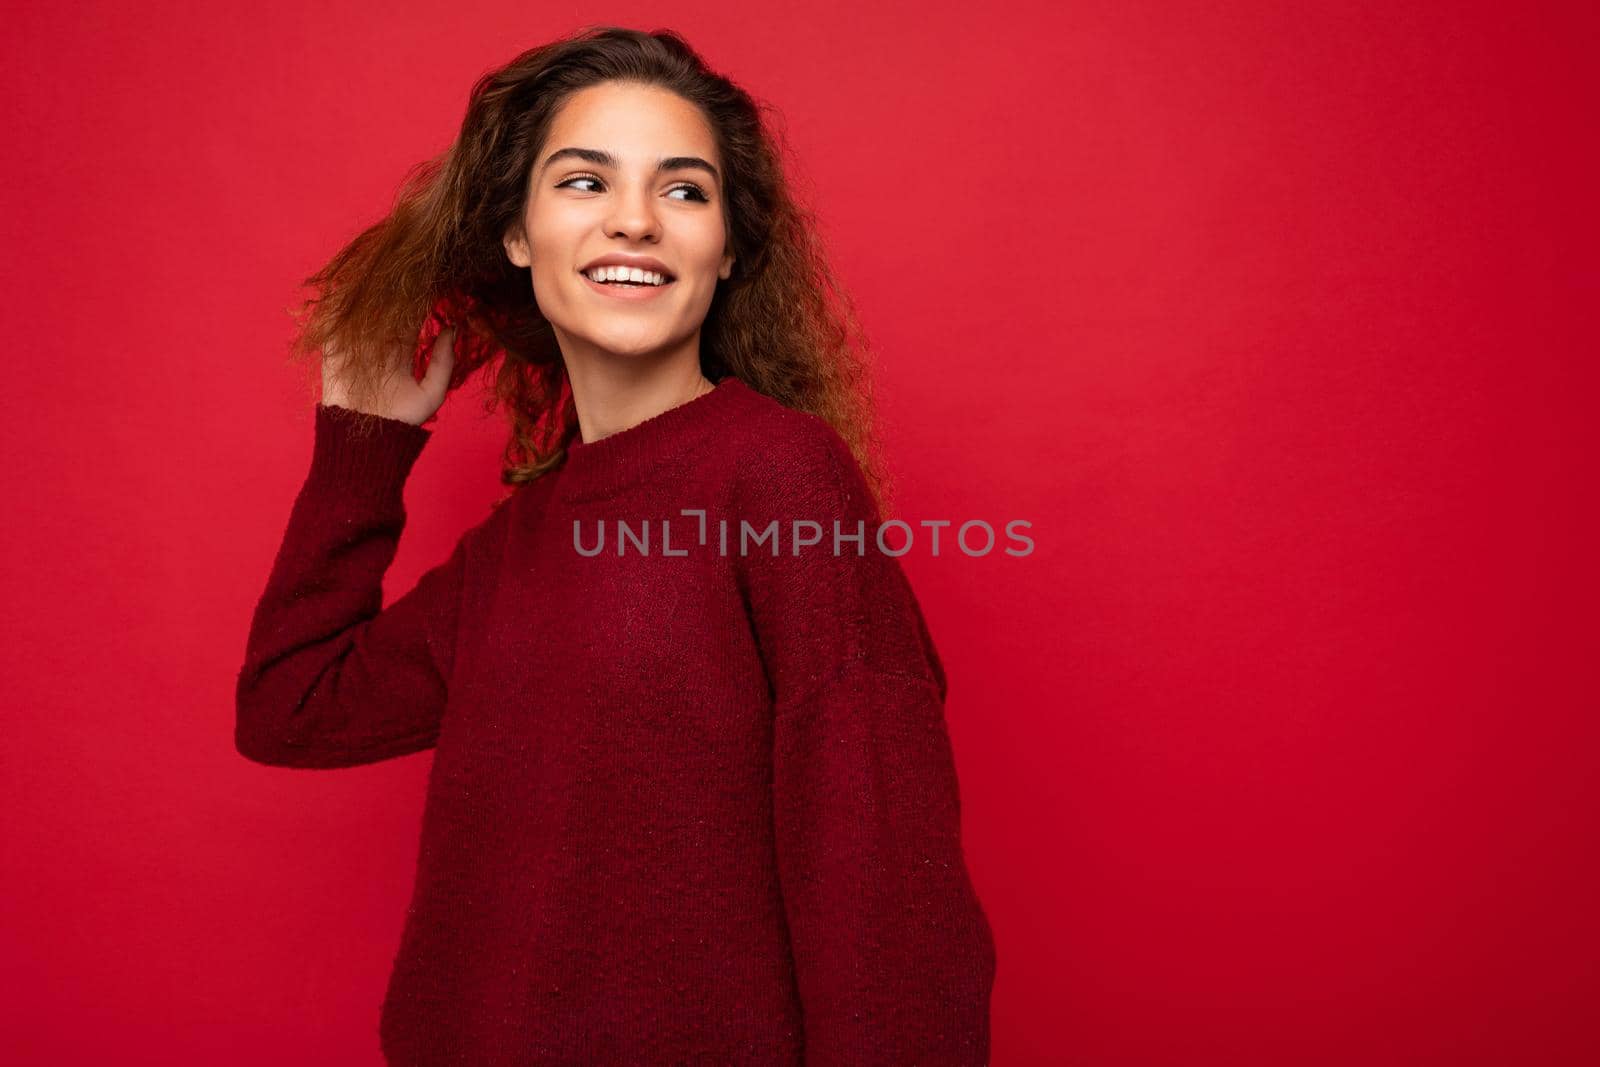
692	796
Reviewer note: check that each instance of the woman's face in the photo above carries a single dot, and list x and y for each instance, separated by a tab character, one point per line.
597	188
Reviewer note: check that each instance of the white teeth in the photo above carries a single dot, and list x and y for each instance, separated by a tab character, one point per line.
627	274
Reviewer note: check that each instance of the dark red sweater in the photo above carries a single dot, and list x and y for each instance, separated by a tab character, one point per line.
688	804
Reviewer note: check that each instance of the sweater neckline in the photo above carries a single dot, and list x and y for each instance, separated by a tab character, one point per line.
601	468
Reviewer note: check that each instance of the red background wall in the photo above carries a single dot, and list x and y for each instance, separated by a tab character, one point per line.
1275	320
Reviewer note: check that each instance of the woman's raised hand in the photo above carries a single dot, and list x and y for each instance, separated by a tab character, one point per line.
401	396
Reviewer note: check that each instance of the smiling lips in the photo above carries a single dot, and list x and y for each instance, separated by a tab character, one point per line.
626	292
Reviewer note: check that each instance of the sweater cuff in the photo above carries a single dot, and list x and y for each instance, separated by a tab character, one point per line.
363	455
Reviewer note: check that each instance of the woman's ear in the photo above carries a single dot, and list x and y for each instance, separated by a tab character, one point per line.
726	270
516	246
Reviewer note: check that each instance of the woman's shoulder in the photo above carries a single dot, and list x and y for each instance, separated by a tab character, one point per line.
775	436
487	537
786	458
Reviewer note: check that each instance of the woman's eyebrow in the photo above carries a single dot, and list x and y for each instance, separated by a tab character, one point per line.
598	158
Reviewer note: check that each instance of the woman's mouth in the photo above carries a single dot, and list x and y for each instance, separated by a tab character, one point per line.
626	290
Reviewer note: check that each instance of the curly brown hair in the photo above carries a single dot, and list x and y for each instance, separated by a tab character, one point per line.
781	323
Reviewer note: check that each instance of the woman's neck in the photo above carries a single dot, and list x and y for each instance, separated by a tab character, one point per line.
608	403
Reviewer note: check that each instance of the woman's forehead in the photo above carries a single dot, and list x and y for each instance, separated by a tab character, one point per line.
633	124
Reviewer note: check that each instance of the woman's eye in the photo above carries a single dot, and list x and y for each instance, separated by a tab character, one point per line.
696	192
569	181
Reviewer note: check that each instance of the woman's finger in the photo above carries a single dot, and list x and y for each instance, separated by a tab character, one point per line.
437	376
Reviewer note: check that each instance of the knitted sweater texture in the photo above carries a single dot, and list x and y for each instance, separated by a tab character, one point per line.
692	797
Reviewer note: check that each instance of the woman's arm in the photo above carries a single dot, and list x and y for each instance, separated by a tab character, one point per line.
329	679
893	952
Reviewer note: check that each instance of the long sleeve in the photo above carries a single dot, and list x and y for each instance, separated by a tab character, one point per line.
329	679
894	956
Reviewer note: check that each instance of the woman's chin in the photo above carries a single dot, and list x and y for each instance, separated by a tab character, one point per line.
631	348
